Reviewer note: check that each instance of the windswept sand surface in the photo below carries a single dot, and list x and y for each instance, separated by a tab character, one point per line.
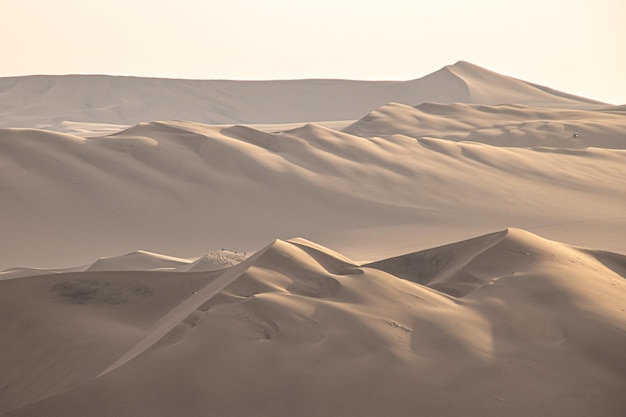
115	299
185	188
57	102
502	125
503	324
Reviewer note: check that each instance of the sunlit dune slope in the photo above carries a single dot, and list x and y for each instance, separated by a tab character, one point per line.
502	125
504	324
185	188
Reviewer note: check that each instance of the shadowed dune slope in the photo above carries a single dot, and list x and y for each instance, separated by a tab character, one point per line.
64	329
461	268
298	329
488	87
138	260
183	188
213	261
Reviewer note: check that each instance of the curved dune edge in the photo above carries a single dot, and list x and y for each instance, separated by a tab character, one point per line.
182	187
505	323
501	323
72	102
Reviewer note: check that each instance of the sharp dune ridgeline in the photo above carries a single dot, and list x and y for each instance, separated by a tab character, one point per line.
185	188
148	264
503	324
52	100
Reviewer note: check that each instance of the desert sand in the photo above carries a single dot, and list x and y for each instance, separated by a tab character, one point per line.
503	324
183	188
55	101
149	263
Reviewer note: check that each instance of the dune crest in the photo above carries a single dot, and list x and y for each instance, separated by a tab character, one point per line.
49	101
213	261
138	260
394	320
486	87
461	268
177	187
501	125
296	314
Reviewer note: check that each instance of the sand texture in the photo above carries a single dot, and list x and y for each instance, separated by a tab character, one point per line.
58	102
185	188
148	265
503	324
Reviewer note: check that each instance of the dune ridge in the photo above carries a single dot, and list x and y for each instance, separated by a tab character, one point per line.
359	338
213	261
480	85
501	125
101	177
50	101
180	187
138	260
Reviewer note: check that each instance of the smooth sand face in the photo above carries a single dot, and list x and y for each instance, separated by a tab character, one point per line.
518	326
184	188
502	125
117	301
71	102
83	189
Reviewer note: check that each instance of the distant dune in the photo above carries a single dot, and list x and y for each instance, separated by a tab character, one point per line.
138	260
502	125
186	188
46	100
504	324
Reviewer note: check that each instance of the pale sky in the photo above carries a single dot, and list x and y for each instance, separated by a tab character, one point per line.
576	46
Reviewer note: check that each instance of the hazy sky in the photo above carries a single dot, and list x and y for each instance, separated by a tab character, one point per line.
578	46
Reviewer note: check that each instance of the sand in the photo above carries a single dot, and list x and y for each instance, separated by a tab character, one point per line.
68	200
148	266
61	101
503	324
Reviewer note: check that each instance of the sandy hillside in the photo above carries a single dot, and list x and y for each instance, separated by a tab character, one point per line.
502	125
58	102
185	188
503	324
116	299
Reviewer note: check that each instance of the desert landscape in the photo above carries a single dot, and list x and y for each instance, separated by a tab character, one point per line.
452	245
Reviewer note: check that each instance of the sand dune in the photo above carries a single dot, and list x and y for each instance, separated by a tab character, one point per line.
86	129
115	302
185	188
62	330
20	272
213	261
503	324
50	101
487	87
503	125
137	261
461	268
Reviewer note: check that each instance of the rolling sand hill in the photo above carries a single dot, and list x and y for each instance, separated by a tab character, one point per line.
96	321
504	324
502	125
53	101
185	188
137	261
